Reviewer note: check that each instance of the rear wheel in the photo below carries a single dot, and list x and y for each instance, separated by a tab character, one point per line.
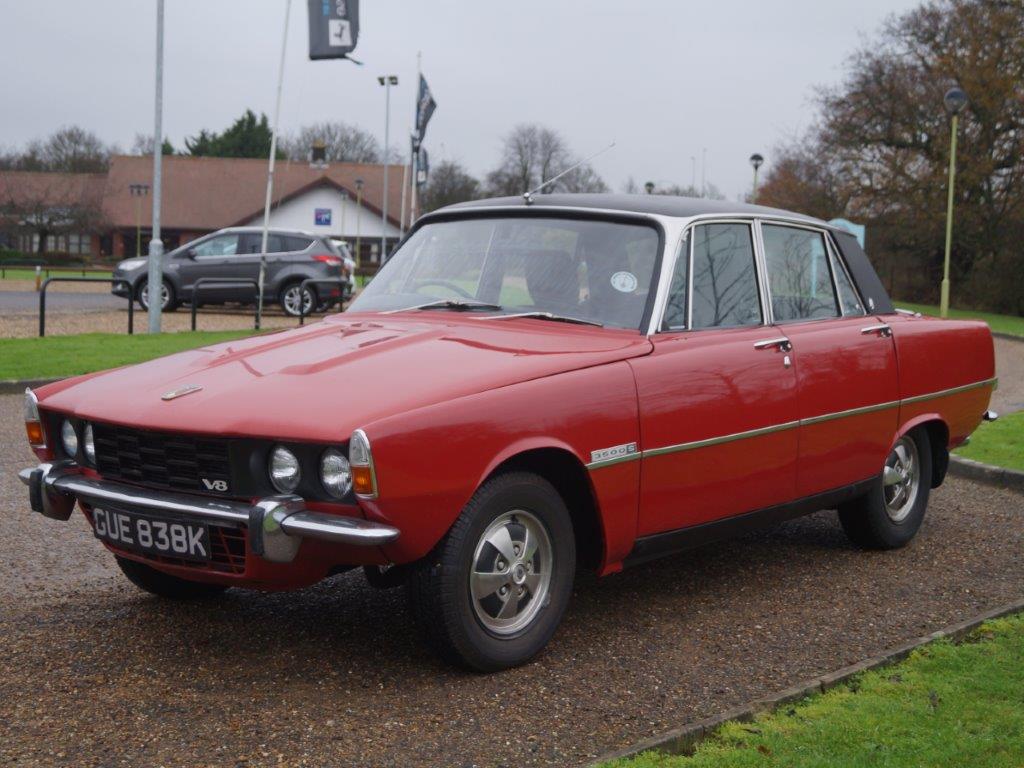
889	515
294	296
495	589
164	585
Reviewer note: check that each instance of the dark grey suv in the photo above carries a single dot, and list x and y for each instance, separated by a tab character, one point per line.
292	256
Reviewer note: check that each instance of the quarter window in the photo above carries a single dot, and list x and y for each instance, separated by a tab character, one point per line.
724	277
675	308
848	299
798	274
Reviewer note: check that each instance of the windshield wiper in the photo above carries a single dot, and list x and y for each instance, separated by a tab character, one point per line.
456	304
549	316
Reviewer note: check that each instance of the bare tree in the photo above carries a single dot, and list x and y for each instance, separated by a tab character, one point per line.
532	154
44	205
70	149
143	145
343	142
449	183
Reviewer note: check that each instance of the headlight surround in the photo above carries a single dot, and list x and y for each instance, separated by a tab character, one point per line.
69	439
335	473
89	445
33	425
364	475
284	470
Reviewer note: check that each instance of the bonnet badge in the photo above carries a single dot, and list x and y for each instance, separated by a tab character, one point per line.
174	394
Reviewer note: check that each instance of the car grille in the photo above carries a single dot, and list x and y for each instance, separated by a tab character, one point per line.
179	462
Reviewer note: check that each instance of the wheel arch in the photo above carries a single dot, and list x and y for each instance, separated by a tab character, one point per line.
938	440
563	469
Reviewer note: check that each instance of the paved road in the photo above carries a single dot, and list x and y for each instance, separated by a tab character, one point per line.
19	302
96	673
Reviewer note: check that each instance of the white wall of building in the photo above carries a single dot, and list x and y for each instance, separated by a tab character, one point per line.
346	217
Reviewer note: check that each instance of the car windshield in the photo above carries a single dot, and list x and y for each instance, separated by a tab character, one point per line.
586	269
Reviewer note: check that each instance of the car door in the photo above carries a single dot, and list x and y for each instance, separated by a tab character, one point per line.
717	394
214	258
845	360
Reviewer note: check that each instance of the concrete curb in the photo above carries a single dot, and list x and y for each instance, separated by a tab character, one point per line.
15	387
1007	336
684	740
986	473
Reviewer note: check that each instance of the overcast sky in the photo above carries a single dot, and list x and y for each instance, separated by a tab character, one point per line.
664	79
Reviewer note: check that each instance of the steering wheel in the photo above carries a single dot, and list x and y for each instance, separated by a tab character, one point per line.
445	284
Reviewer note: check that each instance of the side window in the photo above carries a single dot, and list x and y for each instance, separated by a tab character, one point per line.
848	299
798	274
293	243
675	308
217	247
724	277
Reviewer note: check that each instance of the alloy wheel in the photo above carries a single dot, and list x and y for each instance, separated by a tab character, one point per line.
511	572
901	479
290	300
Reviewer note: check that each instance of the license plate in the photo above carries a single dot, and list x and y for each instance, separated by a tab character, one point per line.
152	535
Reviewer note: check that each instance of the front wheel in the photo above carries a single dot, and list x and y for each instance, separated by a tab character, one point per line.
493	592
168	299
889	515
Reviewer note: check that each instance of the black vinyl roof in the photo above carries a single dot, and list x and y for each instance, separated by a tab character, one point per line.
664	205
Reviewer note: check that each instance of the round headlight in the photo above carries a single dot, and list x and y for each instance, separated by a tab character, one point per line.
89	445
284	470
69	439
335	473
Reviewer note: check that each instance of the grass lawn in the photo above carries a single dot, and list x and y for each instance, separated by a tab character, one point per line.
59	356
19	273
946	705
1000	442
1000	323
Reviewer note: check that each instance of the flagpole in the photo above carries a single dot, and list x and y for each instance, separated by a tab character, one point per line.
415	203
270	174
405	194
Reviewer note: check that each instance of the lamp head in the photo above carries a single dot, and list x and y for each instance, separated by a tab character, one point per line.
649	186
955	100
756	160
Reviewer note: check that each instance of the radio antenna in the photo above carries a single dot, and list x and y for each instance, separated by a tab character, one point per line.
528	196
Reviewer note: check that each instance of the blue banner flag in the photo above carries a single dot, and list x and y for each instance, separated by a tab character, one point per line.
333	28
425	106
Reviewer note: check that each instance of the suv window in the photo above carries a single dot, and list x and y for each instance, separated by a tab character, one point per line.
724	277
294	243
798	274
217	247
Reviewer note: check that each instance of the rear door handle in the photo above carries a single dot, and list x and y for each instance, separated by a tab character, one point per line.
780	343
881	329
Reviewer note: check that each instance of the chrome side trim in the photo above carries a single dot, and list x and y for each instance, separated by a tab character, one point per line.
617	460
650	452
951	391
849	412
722	439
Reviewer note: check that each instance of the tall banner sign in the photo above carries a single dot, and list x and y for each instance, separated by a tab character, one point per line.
425	106
333	28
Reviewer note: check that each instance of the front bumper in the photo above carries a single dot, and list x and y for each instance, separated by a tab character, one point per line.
276	525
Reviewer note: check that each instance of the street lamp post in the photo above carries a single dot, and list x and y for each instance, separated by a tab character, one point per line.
138	191
756	160
387	81
955	100
359	221
154	274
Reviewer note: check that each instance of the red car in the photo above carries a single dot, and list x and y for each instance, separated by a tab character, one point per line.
527	386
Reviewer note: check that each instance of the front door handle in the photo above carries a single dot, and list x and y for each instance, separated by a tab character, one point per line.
780	343
881	329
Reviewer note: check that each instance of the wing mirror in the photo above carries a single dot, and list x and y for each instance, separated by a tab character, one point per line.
191	253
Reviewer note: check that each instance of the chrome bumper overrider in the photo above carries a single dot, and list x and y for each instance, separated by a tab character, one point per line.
276	524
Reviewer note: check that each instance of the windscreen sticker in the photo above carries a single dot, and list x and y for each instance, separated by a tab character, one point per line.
624	282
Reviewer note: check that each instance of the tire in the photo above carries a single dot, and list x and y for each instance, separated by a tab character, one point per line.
478	631
168	296
889	515
163	584
289	299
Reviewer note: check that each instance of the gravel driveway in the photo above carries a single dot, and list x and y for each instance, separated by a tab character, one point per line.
97	674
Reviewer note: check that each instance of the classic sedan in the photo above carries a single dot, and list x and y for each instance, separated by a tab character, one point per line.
528	386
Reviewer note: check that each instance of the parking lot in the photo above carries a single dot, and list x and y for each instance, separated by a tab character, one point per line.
96	673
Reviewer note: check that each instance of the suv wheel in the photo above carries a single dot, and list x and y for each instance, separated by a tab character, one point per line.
889	515
493	592
290	297
168	300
